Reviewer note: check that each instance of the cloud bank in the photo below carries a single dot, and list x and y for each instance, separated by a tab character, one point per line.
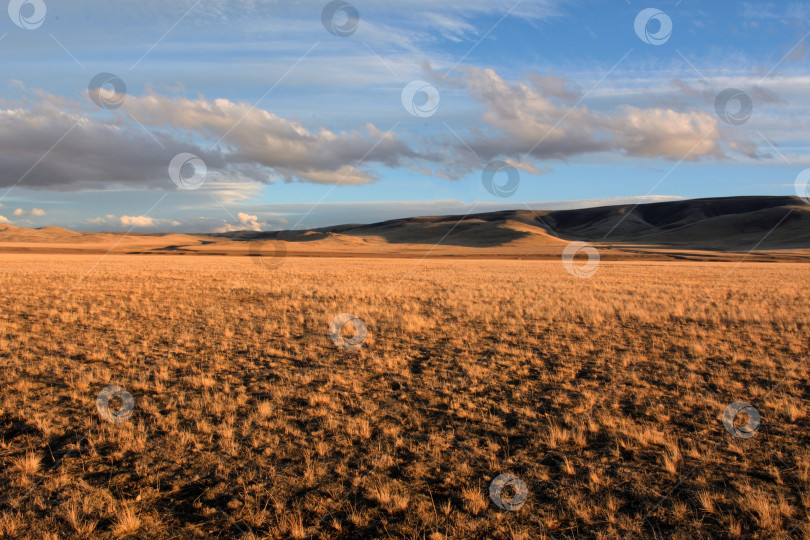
526	121
58	144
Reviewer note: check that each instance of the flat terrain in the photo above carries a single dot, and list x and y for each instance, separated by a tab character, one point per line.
604	395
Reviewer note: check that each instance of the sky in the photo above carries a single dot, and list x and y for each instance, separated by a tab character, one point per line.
218	115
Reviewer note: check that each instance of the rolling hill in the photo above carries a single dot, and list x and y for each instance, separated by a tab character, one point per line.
711	229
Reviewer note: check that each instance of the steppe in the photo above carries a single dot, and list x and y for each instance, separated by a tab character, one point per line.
602	388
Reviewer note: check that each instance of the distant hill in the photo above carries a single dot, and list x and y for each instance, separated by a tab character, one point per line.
726	223
714	228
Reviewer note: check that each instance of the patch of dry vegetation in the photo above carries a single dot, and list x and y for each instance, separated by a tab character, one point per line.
604	395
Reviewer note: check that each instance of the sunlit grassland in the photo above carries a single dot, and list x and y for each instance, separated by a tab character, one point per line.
604	395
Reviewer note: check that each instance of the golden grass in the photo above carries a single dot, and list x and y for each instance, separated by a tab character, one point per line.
604	395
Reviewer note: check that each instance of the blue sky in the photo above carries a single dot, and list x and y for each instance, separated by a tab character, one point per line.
299	127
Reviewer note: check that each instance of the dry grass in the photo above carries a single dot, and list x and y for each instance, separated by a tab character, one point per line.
604	395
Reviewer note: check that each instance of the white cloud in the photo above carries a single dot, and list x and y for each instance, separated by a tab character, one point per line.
520	122
246	222
227	227
251	222
528	122
32	212
4	219
254	145
556	86
137	221
105	220
261	145
111	221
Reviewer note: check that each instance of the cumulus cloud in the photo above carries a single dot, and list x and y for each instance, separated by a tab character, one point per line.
137	221
263	143
4	219
251	222
111	221
556	86
86	153
527	121
32	212
246	222
246	143
242	145
102	220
